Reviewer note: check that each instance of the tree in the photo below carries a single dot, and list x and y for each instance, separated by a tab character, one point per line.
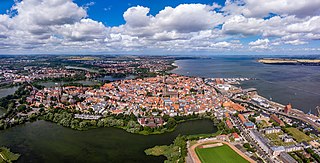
100	123
65	122
22	108
165	117
171	123
83	124
74	123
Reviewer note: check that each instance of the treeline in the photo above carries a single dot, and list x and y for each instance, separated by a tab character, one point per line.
9	103
175	152
76	77
18	120
127	122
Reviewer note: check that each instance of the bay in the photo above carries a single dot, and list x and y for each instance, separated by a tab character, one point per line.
295	84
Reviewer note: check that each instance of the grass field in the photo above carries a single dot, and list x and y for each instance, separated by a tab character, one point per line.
222	154
298	135
275	139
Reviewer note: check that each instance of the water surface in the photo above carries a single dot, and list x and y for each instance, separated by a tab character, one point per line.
296	84
5	92
43	141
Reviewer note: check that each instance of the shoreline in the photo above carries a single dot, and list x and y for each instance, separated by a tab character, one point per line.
289	61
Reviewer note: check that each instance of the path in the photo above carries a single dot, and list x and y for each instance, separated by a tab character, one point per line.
4	159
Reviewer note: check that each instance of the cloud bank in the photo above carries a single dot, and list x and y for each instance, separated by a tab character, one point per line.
61	26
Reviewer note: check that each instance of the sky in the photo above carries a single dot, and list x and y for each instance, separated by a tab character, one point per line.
160	27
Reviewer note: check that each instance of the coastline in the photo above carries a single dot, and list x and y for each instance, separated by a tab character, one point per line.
289	61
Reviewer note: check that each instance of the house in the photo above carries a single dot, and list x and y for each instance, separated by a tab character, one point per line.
151	122
242	118
287	139
306	145
222	137
272	130
276	119
236	136
249	125
276	150
229	124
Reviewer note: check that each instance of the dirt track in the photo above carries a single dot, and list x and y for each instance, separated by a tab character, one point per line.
196	159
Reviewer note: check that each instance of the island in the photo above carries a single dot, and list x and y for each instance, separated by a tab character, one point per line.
289	61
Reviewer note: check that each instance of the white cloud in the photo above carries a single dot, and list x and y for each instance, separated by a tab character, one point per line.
62	26
240	25
48	12
137	16
260	44
262	8
311	25
295	42
188	18
85	30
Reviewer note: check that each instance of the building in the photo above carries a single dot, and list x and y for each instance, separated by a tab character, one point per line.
249	125
293	148
287	139
236	136
242	118
286	158
272	130
276	150
277	120
306	145
222	137
287	108
229	124
261	141
151	122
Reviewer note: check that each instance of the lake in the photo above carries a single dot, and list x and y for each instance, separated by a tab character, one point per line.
110	78
5	92
8	91
80	68
295	84
43	141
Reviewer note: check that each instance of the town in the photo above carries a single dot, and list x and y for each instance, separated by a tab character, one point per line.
154	101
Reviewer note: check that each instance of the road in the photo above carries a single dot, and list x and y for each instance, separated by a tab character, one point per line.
2	157
300	116
245	134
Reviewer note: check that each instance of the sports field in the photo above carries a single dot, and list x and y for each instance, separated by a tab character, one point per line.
220	154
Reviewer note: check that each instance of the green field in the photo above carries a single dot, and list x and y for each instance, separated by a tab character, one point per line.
298	135
276	140
222	154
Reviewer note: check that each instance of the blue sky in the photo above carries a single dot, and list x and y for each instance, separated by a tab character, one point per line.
160	26
110	11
